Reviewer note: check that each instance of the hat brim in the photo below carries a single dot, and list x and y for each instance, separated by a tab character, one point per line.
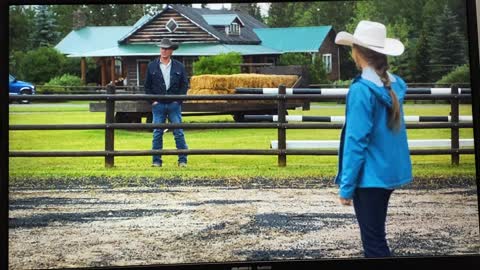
392	46
173	47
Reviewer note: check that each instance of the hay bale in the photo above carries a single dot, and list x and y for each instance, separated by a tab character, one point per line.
225	82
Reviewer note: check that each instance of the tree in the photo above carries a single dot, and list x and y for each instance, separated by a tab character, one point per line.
20	24
400	29
64	16
46	33
281	14
40	65
447	44
420	66
326	13
251	9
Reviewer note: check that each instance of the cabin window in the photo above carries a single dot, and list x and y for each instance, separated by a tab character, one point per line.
327	62
233	29
142	65
118	66
171	25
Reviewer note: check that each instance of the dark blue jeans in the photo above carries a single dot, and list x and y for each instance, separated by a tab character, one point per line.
371	206
173	112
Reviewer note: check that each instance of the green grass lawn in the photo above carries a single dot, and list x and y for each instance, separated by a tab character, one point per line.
231	167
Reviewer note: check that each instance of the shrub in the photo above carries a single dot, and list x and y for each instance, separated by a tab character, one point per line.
342	83
40	65
59	85
460	75
228	63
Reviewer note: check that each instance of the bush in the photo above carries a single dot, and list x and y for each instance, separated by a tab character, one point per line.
40	65
59	85
14	63
225	64
342	83
460	75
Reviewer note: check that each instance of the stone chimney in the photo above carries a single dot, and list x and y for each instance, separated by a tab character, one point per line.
79	19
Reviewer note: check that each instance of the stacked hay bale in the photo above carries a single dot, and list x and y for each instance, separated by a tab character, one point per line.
226	84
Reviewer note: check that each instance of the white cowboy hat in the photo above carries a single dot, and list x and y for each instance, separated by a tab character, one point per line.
167	44
371	35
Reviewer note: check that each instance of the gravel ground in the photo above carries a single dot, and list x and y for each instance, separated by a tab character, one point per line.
91	227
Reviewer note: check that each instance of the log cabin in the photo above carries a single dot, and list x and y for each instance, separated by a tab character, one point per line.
123	52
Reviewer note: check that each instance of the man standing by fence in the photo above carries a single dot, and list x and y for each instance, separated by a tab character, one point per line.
167	76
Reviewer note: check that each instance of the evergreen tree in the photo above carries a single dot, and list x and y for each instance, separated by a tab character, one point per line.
281	14
447	44
400	30
64	16
420	66
46	33
251	9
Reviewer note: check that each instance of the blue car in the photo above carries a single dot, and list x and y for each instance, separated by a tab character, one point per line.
17	87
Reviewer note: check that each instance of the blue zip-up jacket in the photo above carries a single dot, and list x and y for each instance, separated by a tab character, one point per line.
370	154
155	84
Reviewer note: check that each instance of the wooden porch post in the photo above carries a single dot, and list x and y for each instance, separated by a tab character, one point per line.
104	71
83	68
112	69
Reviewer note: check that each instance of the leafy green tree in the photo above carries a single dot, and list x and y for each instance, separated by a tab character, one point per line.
224	63
40	65
20	24
45	33
14	63
326	13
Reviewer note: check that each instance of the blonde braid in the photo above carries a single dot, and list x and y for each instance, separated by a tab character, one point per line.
380	63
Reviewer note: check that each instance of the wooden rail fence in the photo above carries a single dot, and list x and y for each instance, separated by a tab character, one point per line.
453	95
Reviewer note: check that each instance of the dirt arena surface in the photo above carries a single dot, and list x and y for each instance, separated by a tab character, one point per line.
104	226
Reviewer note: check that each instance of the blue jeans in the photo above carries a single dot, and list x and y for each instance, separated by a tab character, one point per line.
173	112
370	206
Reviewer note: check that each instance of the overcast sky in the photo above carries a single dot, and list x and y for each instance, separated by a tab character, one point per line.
263	6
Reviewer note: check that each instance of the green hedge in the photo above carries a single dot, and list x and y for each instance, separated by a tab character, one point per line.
228	63
460	75
59	85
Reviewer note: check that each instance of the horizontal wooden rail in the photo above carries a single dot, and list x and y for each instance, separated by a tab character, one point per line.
136	126
221	97
214	152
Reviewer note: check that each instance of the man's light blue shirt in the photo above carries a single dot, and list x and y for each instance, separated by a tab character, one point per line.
165	68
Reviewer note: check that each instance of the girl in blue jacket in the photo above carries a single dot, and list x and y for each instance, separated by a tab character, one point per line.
374	158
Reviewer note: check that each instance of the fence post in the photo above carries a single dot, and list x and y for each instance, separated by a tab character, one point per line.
455	135
282	138
109	132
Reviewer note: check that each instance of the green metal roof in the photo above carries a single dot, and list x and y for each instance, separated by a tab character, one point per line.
185	49
101	41
292	39
219	19
89	39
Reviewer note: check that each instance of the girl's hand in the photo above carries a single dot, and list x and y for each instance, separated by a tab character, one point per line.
347	202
